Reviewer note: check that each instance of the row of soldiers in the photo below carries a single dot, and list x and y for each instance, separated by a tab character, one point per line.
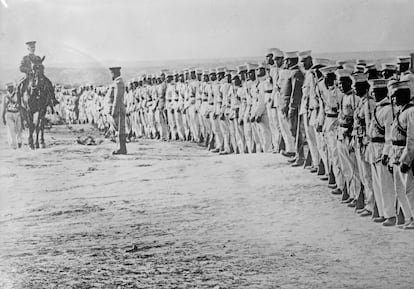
349	122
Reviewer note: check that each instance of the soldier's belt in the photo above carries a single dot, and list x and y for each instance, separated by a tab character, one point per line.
378	139
399	143
346	125
331	115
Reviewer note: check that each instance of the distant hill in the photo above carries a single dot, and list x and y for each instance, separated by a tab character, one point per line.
77	74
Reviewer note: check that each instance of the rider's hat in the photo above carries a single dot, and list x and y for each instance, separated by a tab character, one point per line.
31	43
9	84
115	68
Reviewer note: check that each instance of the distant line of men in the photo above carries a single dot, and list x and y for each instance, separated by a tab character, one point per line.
349	122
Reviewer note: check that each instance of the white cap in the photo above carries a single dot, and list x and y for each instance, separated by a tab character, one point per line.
291	54
304	54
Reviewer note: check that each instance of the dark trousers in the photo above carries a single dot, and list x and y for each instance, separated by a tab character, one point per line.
120	122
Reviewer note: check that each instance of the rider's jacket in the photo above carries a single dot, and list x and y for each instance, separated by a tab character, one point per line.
28	61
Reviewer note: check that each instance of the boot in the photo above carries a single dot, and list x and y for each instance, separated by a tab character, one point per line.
287	154
379	219
298	163
292	160
337	191
390	222
352	204
375	214
211	143
331	180
122	146
400	217
321	169
366	213
360	203
308	161
313	170
345	195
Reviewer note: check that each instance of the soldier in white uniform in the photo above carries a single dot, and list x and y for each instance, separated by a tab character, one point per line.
363	115
170	96
229	111
402	153
260	113
275	61
160	116
179	106
253	95
213	92
204	111
221	93
236	103
247	106
379	133
309	104
327	124
405	73
388	70
11	116
314	109
345	147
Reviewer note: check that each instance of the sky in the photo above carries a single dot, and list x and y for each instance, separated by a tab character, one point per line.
107	32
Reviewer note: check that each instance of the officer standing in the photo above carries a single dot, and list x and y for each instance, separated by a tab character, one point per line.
118	108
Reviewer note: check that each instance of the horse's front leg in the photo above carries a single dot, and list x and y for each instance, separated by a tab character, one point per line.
31	129
37	130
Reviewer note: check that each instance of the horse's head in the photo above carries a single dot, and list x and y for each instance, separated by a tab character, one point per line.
38	72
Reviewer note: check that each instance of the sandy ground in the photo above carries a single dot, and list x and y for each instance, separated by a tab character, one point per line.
70	213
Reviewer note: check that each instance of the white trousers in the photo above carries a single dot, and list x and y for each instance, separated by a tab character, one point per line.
14	128
404	188
290	141
383	190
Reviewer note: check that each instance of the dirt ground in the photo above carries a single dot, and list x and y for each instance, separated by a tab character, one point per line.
69	215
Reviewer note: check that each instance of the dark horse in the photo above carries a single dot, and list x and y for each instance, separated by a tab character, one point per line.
36	99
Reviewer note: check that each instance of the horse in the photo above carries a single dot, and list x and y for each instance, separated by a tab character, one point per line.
36	99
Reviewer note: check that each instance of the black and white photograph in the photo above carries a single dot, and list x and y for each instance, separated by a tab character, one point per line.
218	144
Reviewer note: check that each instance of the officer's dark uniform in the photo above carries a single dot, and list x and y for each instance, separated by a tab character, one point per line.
26	66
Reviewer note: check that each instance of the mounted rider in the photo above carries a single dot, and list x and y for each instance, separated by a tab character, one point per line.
26	66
